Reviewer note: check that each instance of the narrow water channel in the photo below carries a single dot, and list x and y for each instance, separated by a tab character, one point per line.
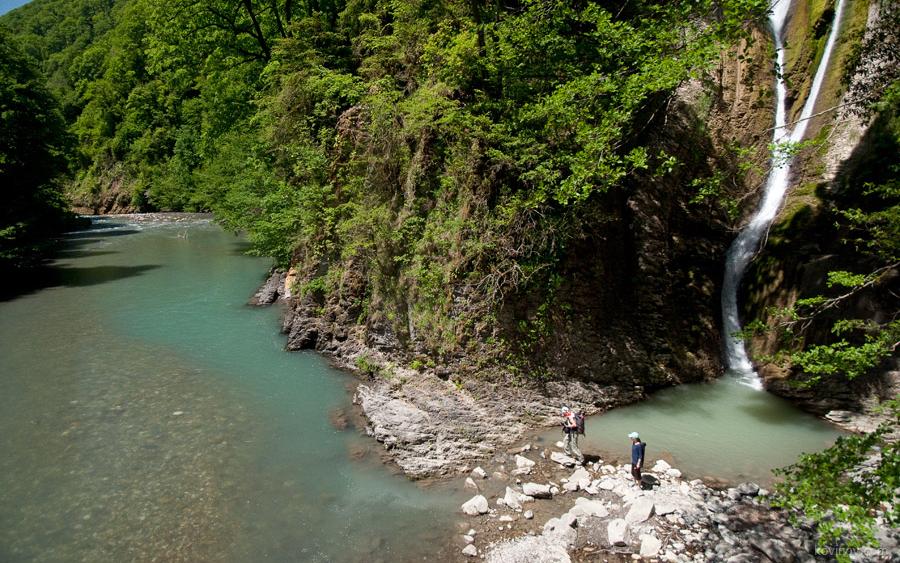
147	413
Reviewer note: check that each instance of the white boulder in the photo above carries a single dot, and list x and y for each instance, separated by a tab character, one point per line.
523	462
563	459
617	532
476	505
660	466
537	491
650	545
641	509
589	507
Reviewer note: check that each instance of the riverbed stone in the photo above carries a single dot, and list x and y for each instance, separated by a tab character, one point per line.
663	508
470	551
748	489
607	484
661	466
640	510
650	545
476	505
563	459
774	549
470	484
617	532
480	473
589	507
536	490
529	514
523	462
512	499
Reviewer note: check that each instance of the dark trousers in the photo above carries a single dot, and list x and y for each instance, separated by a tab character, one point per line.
636	473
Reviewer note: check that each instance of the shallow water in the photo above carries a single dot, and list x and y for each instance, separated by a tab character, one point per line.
148	413
723	430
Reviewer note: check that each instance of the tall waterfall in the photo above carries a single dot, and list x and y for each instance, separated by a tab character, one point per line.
747	243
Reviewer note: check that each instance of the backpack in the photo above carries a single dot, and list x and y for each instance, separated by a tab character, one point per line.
579	422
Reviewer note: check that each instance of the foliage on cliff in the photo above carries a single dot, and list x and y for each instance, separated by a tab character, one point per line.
430	145
33	144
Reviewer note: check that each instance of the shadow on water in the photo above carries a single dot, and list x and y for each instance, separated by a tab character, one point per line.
71	253
63	276
49	274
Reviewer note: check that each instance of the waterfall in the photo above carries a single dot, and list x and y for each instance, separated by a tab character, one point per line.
747	243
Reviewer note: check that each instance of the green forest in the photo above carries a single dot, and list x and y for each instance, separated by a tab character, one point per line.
337	128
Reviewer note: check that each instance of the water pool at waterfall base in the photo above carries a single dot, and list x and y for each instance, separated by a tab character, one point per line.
722	431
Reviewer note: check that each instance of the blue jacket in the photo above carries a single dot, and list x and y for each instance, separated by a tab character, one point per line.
637	453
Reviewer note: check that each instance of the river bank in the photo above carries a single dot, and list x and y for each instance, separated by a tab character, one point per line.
433	423
531	503
538	505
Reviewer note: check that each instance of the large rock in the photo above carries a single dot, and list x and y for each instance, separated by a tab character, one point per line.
650	545
587	507
748	489
513	499
607	484
617	532
660	467
641	509
523	462
537	491
563	459
775	550
663	508
476	505
582	477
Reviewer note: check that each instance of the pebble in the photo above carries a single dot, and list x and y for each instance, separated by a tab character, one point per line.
529	514
470	551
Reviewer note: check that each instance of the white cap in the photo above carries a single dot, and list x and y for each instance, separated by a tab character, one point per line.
634	435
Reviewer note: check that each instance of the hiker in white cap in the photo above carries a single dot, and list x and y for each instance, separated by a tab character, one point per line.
637	456
570	430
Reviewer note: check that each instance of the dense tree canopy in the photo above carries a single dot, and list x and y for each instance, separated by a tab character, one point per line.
33	147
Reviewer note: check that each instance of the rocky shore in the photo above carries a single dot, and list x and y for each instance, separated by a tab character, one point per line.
430	423
533	505
542	507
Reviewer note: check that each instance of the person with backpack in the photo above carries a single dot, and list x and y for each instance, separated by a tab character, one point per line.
637	456
573	424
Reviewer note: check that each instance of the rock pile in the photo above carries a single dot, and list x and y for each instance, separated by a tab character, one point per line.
606	512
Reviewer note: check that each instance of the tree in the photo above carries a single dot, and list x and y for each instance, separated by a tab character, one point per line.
33	144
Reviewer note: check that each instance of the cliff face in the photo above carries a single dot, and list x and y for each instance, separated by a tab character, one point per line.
807	239
634	301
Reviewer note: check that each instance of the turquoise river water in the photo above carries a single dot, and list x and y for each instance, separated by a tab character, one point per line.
148	414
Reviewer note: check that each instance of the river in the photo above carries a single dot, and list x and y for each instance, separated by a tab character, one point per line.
147	413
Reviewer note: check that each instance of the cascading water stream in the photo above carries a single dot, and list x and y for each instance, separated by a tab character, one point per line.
747	243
